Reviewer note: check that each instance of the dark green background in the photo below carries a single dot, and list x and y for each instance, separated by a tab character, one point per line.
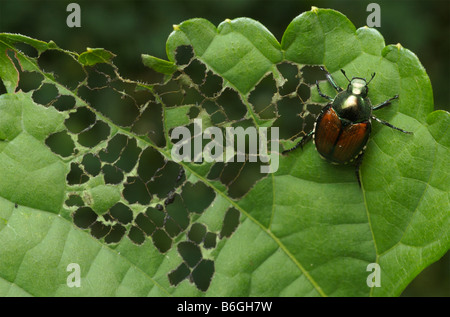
130	28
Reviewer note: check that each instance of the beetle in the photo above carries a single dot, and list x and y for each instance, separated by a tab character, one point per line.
343	127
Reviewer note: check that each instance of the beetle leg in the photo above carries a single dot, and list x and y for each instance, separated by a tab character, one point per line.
321	93
331	80
384	103
302	142
390	125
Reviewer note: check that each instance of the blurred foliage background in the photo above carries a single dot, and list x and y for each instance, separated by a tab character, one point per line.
130	28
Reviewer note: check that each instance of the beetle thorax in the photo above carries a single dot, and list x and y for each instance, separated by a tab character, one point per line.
353	108
351	102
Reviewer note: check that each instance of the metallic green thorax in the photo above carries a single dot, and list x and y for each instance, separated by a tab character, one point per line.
353	104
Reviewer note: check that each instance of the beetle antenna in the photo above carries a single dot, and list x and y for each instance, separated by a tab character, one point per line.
373	75
343	72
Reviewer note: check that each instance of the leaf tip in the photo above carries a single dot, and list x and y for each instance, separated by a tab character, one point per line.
314	9
176	27
52	45
399	46
227	21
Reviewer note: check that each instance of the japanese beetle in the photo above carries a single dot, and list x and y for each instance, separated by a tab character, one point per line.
343	127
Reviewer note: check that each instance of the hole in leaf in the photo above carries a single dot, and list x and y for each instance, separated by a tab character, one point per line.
107	217
76	175
99	230
193	112
210	106
230	223
314	109
115	234
114	148
145	224
136	235
26	49
60	143
270	112
111	174
65	68
197	197
231	171
202	274
96	79
161	240
212	84
197	233
105	69
178	213
304	92
245	179
149	162
171	227
2	88
232	104
291	73
94	135
183	54
45	94
122	213
119	107
80	120
129	156
216	170
29	81
64	103
149	123
191	96
135	191
210	240
261	96
83	217
290	123
170	93
156	216
190	252
179	274
164	180
196	71
311	74
92	164
218	117
310	119
74	200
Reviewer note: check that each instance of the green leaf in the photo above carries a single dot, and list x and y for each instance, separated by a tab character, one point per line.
94	56
159	65
242	51
31	175
139	224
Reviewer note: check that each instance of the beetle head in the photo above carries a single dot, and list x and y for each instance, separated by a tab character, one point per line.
358	87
